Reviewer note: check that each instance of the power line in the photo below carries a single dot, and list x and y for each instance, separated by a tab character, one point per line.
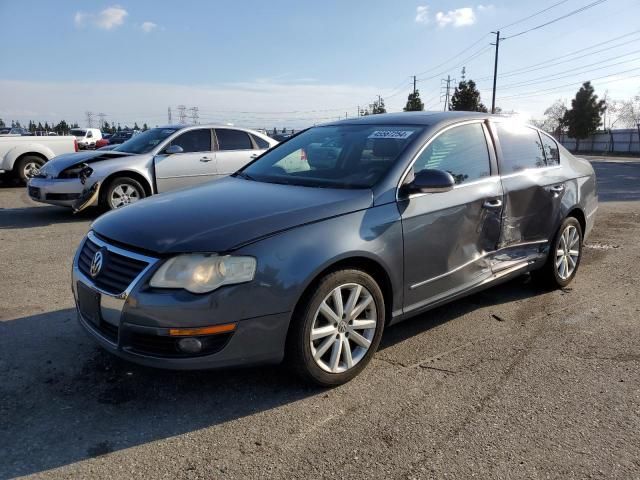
574	12
463	51
465	62
546	64
532	15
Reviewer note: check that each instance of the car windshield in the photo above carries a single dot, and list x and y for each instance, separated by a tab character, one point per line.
145	141
341	156
78	133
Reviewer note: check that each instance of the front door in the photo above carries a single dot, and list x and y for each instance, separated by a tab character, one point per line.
533	189
196	163
449	237
235	150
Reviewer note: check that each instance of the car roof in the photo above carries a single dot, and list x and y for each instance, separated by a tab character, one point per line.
412	118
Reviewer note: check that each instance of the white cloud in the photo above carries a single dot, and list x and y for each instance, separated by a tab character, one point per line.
422	14
484	8
460	17
108	19
148	27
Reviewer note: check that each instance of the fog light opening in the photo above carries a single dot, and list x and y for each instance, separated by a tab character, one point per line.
190	345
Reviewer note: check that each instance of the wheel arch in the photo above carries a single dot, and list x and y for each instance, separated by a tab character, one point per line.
127	174
364	263
577	213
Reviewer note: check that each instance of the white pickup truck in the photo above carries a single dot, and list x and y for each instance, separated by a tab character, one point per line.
23	156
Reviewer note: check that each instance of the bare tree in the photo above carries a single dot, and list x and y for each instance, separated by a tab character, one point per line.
553	120
628	112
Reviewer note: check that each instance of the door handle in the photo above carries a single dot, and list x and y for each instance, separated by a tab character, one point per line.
557	188
495	203
253	156
206	159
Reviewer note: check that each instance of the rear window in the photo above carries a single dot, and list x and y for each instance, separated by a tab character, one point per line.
229	139
260	142
521	148
551	150
78	133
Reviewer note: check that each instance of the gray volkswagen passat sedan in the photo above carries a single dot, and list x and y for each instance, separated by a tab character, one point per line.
309	252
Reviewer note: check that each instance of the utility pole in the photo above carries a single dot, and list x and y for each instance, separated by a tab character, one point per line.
182	114
89	119
358	110
169	115
414	85
495	72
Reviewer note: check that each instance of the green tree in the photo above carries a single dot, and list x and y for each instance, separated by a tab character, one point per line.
135	126
378	106
414	103
2	123
585	115
466	97
145	127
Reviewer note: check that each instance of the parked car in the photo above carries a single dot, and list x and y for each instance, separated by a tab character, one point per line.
120	137
388	216
22	156
14	131
103	142
87	137
157	160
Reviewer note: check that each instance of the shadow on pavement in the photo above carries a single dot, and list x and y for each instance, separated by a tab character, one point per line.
38	216
617	181
63	399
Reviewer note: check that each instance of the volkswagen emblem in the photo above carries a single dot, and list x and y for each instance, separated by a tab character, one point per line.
96	264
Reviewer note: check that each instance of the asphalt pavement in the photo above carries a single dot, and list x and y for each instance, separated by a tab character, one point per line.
513	382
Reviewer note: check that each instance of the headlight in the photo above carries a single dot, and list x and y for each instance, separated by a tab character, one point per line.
200	273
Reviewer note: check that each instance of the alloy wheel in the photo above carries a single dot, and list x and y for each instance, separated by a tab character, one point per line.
567	252
30	169
124	194
343	328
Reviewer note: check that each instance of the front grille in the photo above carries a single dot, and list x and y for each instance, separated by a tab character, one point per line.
108	330
117	273
165	346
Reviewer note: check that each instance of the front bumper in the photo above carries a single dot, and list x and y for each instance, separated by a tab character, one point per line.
118	328
55	191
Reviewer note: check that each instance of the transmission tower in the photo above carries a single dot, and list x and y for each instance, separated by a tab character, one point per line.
101	116
445	88
89	116
194	115
169	115
182	114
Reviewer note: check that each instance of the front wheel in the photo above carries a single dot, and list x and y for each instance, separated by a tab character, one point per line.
564	257
121	192
337	329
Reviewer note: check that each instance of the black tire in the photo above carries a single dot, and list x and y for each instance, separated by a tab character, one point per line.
299	355
25	164
124	182
548	276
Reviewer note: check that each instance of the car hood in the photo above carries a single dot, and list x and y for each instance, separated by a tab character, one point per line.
57	164
223	215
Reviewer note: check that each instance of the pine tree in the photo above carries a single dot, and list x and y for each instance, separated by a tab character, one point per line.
466	98
414	103
2	123
144	127
585	115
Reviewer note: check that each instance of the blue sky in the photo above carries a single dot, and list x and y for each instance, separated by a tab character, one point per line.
293	63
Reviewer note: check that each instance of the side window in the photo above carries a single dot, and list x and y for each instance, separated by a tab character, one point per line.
194	141
262	143
229	139
521	148
462	151
551	150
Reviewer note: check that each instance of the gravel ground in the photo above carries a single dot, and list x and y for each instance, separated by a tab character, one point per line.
513	382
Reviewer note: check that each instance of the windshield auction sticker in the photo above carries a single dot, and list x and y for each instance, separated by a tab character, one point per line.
399	134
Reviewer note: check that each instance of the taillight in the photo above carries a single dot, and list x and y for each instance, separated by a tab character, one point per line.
75	144
303	154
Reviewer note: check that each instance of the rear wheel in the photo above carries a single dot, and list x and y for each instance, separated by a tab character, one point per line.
564	256
27	166
337	329
122	191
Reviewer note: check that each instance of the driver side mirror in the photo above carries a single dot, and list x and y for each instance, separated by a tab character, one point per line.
173	149
430	181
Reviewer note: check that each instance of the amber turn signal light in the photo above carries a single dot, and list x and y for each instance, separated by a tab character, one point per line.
192	332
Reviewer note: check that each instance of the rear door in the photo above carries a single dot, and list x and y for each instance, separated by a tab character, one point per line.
449	237
236	148
194	165
533	188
